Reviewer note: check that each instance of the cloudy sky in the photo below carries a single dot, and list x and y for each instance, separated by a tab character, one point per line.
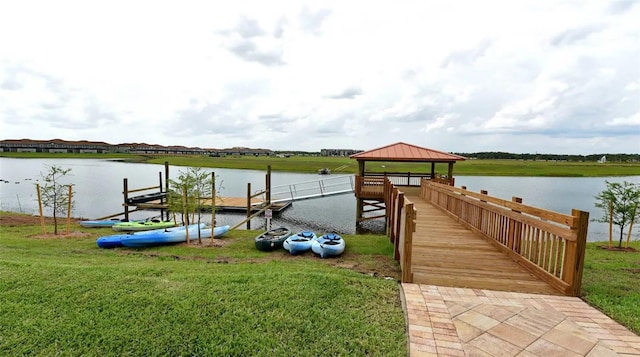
458	76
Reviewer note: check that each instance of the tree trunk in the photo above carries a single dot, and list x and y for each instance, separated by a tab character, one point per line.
55	222
621	230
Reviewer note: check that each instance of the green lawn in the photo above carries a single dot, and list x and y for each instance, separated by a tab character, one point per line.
64	296
611	282
467	167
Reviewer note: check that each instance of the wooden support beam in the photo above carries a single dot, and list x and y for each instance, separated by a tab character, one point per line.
370	218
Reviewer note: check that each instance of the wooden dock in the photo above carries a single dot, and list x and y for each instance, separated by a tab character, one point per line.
447	254
223	204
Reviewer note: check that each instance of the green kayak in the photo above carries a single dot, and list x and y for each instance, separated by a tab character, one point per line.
143	226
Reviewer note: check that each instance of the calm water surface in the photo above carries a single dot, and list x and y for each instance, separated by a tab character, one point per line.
98	192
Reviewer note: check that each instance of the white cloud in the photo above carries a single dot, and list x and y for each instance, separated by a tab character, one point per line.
472	76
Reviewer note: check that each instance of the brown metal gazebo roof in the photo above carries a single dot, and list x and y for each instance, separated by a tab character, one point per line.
406	152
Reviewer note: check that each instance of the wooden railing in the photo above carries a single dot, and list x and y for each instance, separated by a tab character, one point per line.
400	178
369	187
401	216
549	244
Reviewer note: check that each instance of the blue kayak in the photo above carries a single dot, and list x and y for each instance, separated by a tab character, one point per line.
171	237
329	245
115	240
299	243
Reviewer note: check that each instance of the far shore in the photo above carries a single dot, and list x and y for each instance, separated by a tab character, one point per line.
345	165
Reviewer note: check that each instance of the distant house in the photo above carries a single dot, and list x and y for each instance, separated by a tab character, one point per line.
83	146
339	152
54	146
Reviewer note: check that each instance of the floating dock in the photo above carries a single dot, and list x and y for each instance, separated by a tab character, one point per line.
223	204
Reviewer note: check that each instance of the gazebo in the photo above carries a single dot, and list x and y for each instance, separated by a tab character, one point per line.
369	184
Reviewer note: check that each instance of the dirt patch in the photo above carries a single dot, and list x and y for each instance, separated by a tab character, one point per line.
62	234
21	220
14	220
619	249
377	266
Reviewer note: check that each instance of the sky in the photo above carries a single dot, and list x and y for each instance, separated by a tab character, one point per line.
559	76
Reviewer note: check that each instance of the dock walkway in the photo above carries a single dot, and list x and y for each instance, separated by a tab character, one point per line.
470	299
447	254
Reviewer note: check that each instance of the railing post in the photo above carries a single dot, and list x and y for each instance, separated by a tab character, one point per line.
400	203
387	208
573	264
480	220
515	228
398	220
409	228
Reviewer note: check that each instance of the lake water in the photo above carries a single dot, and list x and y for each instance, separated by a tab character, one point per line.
98	192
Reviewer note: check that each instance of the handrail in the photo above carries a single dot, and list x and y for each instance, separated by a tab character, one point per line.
559	218
314	188
401	223
549	244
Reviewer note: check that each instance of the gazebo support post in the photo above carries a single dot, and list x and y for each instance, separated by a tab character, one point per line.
367	195
360	201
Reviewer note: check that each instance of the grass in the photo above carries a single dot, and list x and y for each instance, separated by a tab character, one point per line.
611	282
64	296
311	164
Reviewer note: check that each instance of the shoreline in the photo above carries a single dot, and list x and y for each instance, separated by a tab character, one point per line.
345	165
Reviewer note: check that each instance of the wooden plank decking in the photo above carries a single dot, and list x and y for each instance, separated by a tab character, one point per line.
447	254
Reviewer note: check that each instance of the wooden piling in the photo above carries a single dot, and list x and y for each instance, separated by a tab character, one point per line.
125	192
633	218
610	224
268	185
248	205
69	208
44	230
166	183
213	201
162	199
185	211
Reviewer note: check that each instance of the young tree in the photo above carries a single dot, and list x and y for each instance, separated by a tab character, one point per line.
54	192
619	203
189	192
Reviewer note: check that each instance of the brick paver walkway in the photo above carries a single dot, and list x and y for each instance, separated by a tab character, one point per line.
444	321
